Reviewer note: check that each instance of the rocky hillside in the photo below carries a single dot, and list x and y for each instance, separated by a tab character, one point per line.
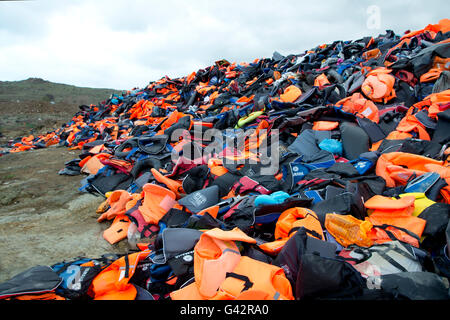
35	105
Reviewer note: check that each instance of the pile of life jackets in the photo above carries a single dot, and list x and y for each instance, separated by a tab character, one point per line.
320	175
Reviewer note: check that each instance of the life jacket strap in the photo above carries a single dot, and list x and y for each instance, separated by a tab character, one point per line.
311	232
127	266
385	226
392	261
247	283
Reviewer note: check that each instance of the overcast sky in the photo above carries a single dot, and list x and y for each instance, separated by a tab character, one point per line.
125	44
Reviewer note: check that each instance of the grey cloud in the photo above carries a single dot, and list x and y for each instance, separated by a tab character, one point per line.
27	19
149	39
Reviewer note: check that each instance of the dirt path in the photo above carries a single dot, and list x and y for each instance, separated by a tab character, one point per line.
44	219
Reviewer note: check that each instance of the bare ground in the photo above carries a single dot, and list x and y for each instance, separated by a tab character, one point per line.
44	219
33	117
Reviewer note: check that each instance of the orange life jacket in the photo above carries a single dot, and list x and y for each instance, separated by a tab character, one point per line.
321	80
435	100
44	296
397	217
443	25
348	230
112	283
360	106
397	167
371	54
255	280
289	221
91	164
431	75
393	135
250	279
118	229
379	85
325	125
117	201
410	123
172	119
157	202
291	94
103	207
212	211
173	185
215	254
